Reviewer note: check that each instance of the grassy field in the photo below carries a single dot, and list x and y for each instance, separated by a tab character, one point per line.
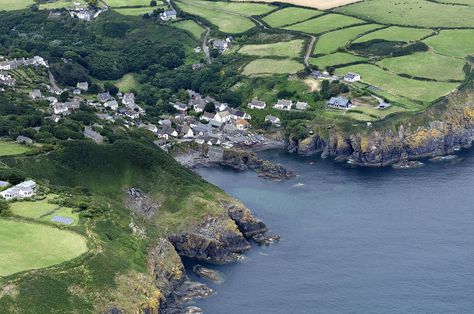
456	43
127	83
241	8
63	212
191	27
128	3
289	16
335	59
331	41
134	11
10	5
12	148
290	49
324	23
60	4
272	66
413	89
227	23
427	65
318	4
422	13
30	246
32	209
396	33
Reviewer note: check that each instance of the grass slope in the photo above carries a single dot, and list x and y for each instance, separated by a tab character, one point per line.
11	148
427	65
289	16
241	8
272	66
10	5
191	27
32	209
396	33
30	246
413	89
324	23
290	49
456	43
128	3
335	59
330	42
422	13
134	11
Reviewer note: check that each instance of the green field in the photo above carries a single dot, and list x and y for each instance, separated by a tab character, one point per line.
272	66
191	27
126	83
422	13
12	148
468	2
63	212
32	209
324	23
427	65
331	41
135	11
10	5
28	246
413	89
128	3
60	4
336	59
289	16
456	43
240	8
290	49
227	23
396	33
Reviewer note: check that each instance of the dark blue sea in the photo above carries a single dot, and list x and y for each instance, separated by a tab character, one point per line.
354	240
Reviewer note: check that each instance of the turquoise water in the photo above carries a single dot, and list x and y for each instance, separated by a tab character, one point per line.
354	240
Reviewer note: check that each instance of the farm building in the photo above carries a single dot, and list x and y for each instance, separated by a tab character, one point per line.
339	103
352	77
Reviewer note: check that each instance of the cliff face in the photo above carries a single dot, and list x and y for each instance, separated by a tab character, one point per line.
445	131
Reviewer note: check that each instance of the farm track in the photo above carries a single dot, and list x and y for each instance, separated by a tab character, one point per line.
205	48
309	51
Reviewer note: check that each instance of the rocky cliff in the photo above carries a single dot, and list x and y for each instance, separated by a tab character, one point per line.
444	128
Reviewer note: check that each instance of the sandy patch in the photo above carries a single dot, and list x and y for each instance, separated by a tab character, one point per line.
312	84
317	4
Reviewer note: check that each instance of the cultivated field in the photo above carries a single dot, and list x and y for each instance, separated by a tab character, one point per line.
227	23
12	148
427	65
28	246
318	4
272	66
456	43
10	5
324	23
396	33
422	13
288	16
191	27
331	41
135	11
414	89
338	58
290	49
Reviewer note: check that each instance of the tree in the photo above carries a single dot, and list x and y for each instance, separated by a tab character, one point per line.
94	88
111	88
93	3
64	96
153	3
4	208
210	107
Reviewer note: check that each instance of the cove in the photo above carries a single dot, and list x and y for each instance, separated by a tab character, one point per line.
354	240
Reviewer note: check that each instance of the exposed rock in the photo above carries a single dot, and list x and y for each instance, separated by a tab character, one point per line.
246	222
216	240
208	273
140	202
263	239
193	310
192	290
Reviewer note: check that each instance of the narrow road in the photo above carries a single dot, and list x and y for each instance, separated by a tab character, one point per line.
309	52
205	48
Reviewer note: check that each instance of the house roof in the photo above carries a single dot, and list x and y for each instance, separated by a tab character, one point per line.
284	102
339	101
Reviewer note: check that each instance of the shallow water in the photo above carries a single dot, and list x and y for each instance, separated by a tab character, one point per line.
354	240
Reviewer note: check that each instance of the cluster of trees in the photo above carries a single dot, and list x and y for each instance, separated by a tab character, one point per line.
331	89
383	48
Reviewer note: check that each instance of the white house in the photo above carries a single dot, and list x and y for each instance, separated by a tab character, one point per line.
274	120
128	99
168	15
222	116
22	190
300	105
283	104
352	77
112	104
257	104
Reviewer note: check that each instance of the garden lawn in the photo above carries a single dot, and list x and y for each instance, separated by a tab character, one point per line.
289	16
191	27
426	64
64	212
456	43
324	23
396	33
424	91
135	11
422	13
241	8
32	209
28	246
10	5
290	49
227	23
338	58
12	148
331	41
272	66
